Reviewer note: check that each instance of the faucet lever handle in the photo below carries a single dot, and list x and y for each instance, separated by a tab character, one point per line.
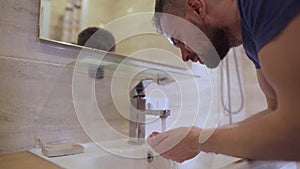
165	113
160	113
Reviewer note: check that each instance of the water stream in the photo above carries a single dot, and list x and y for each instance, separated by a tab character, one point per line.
173	164
163	124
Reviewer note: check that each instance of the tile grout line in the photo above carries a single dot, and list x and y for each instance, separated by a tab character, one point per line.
32	61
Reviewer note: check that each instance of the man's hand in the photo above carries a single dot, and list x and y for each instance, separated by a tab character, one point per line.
179	144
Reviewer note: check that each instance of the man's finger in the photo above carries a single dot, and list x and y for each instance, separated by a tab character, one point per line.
155	140
155	133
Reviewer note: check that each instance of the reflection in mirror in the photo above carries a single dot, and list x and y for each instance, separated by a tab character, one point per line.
63	20
97	38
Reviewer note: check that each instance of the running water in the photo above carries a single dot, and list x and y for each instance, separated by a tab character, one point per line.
173	164
163	124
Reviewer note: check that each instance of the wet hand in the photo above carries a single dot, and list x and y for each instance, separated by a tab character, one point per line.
179	144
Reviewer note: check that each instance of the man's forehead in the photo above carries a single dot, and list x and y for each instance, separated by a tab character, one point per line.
171	25
165	25
178	28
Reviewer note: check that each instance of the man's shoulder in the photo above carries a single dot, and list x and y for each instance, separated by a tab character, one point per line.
262	20
253	11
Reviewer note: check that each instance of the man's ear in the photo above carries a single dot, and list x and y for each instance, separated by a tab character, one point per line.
199	6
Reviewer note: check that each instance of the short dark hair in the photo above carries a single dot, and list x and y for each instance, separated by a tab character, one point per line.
165	6
103	40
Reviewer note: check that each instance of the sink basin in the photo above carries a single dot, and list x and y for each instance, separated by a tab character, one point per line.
95	157
118	154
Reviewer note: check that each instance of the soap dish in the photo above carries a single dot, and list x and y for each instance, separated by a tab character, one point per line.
59	149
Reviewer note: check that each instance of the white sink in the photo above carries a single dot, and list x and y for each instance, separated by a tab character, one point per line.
95	157
118	154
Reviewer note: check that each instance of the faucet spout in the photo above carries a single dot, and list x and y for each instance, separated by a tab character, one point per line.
138	113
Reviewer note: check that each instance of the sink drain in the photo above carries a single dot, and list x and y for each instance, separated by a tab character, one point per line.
150	156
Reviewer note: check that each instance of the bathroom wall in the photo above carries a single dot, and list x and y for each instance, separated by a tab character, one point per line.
254	99
36	83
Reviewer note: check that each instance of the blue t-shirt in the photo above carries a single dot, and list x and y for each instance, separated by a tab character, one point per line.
262	20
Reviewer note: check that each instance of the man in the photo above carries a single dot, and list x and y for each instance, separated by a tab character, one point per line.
97	38
269	31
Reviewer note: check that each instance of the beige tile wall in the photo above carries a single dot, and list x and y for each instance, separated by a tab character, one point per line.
35	82
254	100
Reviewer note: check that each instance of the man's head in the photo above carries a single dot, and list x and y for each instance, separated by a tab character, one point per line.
97	38
202	14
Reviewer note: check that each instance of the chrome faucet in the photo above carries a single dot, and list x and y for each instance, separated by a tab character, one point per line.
138	111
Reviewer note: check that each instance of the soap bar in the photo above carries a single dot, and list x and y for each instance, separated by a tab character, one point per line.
62	150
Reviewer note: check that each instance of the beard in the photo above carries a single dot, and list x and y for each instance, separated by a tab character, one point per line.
221	38
221	41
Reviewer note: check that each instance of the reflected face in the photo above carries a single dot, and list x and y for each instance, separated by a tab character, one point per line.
218	40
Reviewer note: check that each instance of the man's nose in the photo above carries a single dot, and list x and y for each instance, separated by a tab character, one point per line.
185	53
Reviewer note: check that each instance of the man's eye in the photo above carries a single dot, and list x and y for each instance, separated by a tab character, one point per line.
175	41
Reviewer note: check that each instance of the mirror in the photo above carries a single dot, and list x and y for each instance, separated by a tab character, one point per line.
62	21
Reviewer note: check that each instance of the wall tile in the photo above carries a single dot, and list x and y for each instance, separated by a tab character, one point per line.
36	102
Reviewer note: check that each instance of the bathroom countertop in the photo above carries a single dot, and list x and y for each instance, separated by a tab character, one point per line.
24	160
27	160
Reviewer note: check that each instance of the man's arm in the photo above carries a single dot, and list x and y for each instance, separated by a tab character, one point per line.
275	135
